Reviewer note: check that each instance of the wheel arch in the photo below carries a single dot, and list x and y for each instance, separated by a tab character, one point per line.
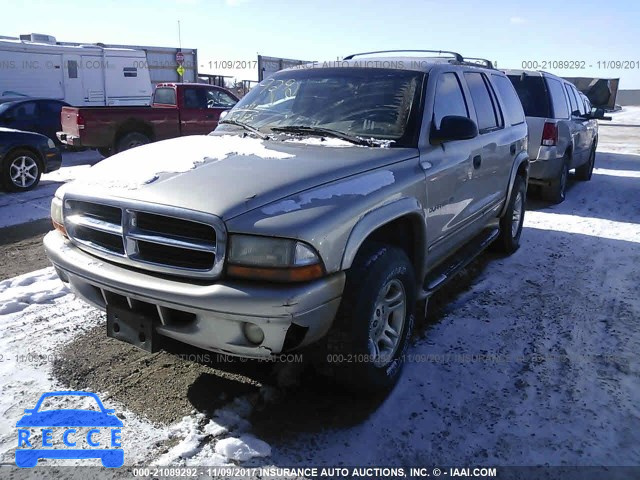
28	148
133	126
400	223
519	168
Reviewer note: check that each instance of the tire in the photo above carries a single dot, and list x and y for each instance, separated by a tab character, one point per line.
21	171
105	152
556	192
585	171
379	298
131	140
511	222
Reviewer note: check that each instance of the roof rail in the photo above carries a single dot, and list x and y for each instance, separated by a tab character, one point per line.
456	55
482	62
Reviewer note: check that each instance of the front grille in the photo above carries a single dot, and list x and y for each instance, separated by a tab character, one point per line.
148	236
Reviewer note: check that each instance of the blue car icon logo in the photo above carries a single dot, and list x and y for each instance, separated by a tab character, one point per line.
65	433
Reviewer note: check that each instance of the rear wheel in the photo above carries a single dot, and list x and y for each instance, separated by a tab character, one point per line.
584	172
556	192
21	171
511	222
105	152
373	327
132	140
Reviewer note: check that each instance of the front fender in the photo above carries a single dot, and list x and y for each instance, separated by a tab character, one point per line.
382	215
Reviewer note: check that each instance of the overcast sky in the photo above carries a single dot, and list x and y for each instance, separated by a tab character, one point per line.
507	32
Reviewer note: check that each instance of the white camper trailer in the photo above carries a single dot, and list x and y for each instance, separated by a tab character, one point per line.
86	75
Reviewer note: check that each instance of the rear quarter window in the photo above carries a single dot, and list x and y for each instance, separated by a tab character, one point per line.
559	99
533	95
512	105
166	96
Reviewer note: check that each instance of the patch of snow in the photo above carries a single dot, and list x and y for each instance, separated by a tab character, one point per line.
359	185
243	448
322	141
145	164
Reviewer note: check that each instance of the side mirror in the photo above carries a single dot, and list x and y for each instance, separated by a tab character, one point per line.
597	113
453	127
223	114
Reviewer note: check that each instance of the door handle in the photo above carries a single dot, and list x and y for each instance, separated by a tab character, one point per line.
512	149
477	161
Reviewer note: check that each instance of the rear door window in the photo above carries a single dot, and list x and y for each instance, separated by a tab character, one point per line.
572	98
486	114
510	100
449	99
559	99
533	95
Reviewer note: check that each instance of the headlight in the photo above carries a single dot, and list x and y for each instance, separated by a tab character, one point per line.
273	259
56	215
50	143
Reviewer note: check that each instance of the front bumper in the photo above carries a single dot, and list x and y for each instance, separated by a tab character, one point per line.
210	316
545	166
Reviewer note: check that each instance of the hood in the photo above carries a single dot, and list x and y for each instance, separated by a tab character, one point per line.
228	175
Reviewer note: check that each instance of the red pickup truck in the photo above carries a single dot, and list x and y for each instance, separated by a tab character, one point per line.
177	109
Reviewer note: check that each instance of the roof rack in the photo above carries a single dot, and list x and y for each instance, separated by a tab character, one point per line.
456	55
478	62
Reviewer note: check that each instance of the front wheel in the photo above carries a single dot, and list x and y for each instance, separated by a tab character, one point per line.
21	171
373	327
511	222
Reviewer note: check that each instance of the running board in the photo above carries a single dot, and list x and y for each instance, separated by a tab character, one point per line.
465	255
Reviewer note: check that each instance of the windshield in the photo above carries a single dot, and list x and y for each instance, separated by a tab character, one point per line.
368	103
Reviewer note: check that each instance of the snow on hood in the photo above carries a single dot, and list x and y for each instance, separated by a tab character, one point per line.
143	165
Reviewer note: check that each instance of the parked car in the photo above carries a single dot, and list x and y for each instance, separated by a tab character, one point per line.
563	131
24	157
39	115
177	109
327	202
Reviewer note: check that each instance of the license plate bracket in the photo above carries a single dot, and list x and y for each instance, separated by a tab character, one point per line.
131	327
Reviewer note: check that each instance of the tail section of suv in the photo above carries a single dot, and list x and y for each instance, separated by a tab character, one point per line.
327	202
563	131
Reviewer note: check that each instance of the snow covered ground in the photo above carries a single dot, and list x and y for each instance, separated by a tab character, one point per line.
17	208
532	360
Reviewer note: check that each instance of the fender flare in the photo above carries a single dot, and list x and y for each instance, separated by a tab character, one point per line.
522	157
379	217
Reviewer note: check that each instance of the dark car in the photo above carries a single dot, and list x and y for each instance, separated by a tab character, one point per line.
24	157
40	416
39	115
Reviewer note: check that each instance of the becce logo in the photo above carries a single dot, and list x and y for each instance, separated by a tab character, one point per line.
69	433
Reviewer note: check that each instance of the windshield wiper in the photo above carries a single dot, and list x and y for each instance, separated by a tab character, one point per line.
246	127
325	132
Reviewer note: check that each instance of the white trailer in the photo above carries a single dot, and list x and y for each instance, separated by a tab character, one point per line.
84	75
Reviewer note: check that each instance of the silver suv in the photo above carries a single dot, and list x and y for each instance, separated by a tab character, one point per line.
563	131
329	201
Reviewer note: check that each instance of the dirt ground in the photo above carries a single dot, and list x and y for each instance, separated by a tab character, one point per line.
21	248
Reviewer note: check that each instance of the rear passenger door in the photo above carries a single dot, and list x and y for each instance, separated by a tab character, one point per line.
580	133
491	171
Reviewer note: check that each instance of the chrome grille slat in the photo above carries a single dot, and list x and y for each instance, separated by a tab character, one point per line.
96	224
173	241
